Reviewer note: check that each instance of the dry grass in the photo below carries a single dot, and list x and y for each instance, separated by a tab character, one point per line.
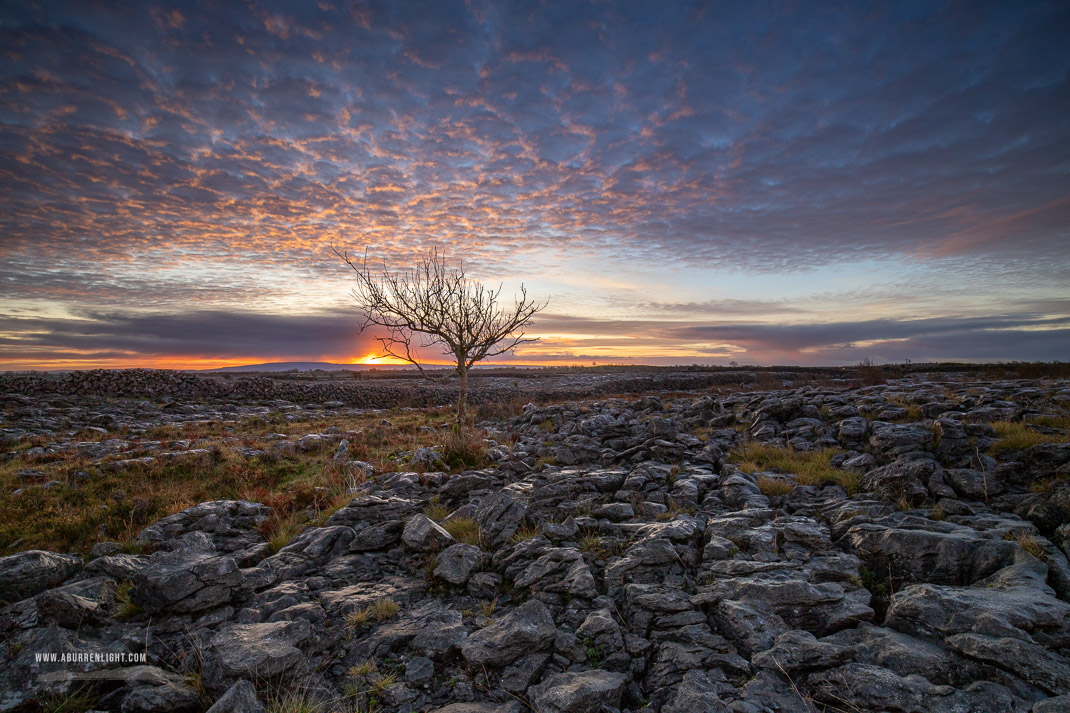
379	611
1016	436
1028	542
808	467
774	486
280	531
436	511
525	533
1060	422
465	449
125	608
365	669
114	505
463	529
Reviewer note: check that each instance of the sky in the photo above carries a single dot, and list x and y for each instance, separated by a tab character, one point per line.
684	182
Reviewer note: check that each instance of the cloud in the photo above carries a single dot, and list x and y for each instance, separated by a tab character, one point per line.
240	140
202	334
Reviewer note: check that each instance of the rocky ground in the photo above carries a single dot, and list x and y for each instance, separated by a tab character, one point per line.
898	547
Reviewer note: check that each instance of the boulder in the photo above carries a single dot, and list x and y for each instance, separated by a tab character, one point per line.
239	698
582	692
696	693
232	525
527	629
901	480
423	534
190	578
500	515
562	570
28	573
261	652
457	562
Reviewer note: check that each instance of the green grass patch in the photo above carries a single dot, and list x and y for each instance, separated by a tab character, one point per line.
808	467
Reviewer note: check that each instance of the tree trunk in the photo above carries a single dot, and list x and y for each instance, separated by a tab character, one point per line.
462	397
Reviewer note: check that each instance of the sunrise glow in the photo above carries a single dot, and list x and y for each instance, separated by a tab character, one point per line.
684	182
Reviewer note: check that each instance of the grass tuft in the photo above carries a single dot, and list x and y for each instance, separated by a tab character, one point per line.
1029	543
525	533
436	511
379	611
280	531
808	467
464	450
774	486
126	609
1016	436
463	529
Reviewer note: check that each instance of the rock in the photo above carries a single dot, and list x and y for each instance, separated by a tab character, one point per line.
457	562
867	687
262	652
853	429
239	698
583	692
427	458
1058	704
901	480
601	632
24	678
820	608
85	602
974	484
518	676
28	573
753	625
905	654
956	555
422	534
1033	663
510	707
897	438
696	693
527	629
103	549
232	526
118	567
150	689
145	689
560	570
648	560
1014	602
419	670
800	650
190	578
499	516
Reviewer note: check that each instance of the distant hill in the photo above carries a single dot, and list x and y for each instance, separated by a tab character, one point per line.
300	366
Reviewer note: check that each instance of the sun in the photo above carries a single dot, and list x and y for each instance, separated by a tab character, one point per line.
369	359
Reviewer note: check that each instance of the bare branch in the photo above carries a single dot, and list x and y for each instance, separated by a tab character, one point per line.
440	306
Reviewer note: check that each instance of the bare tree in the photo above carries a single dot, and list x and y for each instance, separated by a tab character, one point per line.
435	305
